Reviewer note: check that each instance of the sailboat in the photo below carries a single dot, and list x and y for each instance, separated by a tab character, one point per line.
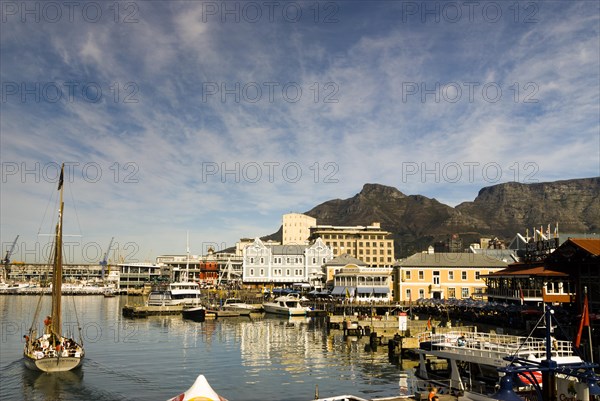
53	352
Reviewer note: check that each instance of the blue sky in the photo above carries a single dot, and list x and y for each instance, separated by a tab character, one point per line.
217	118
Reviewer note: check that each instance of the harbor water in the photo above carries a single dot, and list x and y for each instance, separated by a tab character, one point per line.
262	358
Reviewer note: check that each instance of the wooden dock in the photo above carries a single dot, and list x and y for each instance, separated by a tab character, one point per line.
140	311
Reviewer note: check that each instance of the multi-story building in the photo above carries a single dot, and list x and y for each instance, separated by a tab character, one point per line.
335	266
205	269
135	275
284	264
296	228
370	244
363	284
42	272
549	273
443	275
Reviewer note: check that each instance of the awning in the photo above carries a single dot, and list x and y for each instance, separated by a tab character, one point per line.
338	290
381	290
365	290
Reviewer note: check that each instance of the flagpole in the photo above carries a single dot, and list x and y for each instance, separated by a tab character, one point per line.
589	330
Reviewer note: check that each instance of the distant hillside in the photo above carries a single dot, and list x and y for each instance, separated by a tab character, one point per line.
502	210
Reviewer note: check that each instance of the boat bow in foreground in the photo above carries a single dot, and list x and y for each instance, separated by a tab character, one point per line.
200	391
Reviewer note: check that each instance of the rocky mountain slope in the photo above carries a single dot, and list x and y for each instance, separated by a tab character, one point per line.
501	210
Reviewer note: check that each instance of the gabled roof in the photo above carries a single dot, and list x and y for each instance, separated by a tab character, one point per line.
591	245
288	249
527	270
445	259
345	259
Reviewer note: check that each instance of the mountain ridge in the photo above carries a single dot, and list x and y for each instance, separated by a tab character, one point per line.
500	210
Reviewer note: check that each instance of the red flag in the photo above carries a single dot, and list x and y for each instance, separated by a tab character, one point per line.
521	295
585	320
429	324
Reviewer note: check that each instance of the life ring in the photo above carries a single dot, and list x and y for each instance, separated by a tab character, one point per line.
526	378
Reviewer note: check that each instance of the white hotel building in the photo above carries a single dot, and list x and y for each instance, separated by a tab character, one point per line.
284	264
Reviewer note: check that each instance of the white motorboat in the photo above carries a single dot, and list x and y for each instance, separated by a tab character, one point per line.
176	293
289	305
243	308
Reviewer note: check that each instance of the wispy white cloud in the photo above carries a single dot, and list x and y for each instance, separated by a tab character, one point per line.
178	154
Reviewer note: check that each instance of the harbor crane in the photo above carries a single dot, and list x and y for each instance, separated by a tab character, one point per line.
6	259
103	262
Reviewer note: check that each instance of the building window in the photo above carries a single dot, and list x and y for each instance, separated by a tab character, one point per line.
436	277
421	293
408	294
463	275
451	292
421	275
252	272
314	261
407	274
262	272
450	275
465	292
287	272
477	275
262	261
251	260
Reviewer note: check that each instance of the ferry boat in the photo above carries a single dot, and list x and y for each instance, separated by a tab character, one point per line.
476	365
176	293
289	305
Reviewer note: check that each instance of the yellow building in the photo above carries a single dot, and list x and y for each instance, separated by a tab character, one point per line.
443	276
370	244
296	228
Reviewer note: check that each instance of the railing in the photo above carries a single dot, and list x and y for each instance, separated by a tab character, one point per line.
497	345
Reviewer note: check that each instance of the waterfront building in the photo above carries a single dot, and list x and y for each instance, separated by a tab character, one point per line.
265	264
134	275
335	266
371	244
296	228
550	273
41	273
443	276
206	269
363	284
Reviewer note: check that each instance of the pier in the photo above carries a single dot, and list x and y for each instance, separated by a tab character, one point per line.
137	311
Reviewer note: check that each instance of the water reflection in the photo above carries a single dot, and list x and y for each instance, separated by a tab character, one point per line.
53	386
158	357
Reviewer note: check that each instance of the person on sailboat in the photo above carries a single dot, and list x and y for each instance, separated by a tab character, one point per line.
47	324
432	394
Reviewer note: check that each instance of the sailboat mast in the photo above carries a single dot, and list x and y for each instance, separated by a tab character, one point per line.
187	259
56	324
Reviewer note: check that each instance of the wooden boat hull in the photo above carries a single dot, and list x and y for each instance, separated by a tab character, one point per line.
52	364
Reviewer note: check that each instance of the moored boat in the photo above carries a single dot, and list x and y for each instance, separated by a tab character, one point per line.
175	293
289	305
477	365
53	352
242	308
196	313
